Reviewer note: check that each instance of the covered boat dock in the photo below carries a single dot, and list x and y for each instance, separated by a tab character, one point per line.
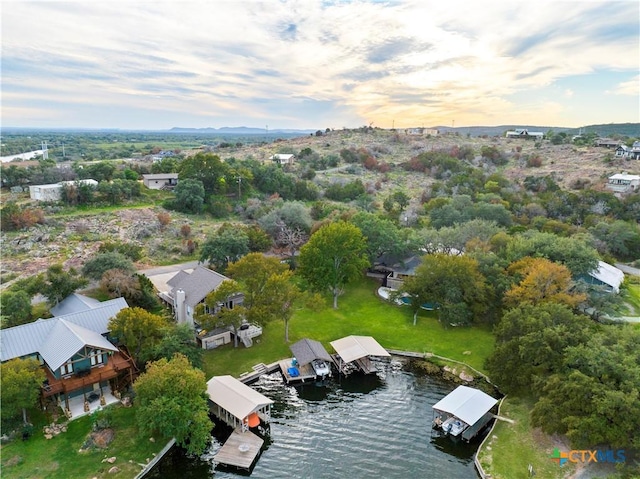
241	407
358	353
307	353
463	412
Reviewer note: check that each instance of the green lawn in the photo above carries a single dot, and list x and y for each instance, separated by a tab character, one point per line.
510	448
359	312
59	457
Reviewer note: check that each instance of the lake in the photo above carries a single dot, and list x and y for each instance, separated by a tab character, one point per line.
354	427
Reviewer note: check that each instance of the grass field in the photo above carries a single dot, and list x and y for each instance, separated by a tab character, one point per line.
60	457
359	312
511	448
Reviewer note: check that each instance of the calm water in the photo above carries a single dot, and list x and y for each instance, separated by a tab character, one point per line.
355	427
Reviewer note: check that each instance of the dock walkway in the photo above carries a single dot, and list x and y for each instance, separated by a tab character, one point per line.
306	372
240	450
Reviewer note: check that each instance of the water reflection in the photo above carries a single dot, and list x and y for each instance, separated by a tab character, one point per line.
355	427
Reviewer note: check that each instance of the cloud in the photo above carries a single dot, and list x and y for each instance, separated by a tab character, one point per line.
415	61
630	88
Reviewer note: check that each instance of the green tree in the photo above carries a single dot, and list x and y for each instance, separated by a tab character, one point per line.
58	283
96	267
208	169
218	315
139	330
334	256
530	345
172	400
20	380
15	307
190	196
284	294
453	283
178	339
595	399
382	235
225	246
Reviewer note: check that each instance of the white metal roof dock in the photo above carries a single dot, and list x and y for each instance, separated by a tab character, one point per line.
234	401
469	405
357	350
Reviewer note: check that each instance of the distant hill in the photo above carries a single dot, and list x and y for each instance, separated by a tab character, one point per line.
625	129
241	130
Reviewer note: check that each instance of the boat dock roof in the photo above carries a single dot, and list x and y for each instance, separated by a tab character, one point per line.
306	350
467	404
235	397
352	348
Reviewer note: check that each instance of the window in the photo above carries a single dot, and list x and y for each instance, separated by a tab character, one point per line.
66	368
97	357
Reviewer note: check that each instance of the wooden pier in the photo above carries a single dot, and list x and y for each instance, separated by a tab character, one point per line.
240	450
306	372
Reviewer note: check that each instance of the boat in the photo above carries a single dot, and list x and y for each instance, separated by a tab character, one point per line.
321	368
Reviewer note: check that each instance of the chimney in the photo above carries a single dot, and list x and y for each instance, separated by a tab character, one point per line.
180	306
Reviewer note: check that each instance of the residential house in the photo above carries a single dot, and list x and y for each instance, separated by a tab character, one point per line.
623	151
160	181
83	366
607	276
421	132
634	153
623	183
283	158
607	143
188	288
53	192
524	133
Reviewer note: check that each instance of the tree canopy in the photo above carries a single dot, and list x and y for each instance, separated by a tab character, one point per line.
172	400
334	256
453	283
225	246
20	381
139	330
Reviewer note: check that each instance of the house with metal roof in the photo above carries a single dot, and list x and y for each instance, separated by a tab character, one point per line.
74	303
81	363
623	183
607	276
358	352
463	412
283	158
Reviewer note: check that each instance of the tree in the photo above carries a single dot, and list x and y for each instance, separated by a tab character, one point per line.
190	196
334	256
530	345
15	307
172	401
58	283
218	315
252	272
575	252
179	339
541	281
139	330
96	267
206	168
453	283
595	399
224	247
284	294
382	235
20	381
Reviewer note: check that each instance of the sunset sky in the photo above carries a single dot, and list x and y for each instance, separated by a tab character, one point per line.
317	64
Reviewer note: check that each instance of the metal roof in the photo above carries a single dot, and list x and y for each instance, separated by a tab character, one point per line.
160	176
306	350
196	285
467	404
65	339
31	338
235	396
609	275
356	347
74	303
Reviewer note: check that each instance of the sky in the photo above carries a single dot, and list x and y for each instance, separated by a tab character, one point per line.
308	64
